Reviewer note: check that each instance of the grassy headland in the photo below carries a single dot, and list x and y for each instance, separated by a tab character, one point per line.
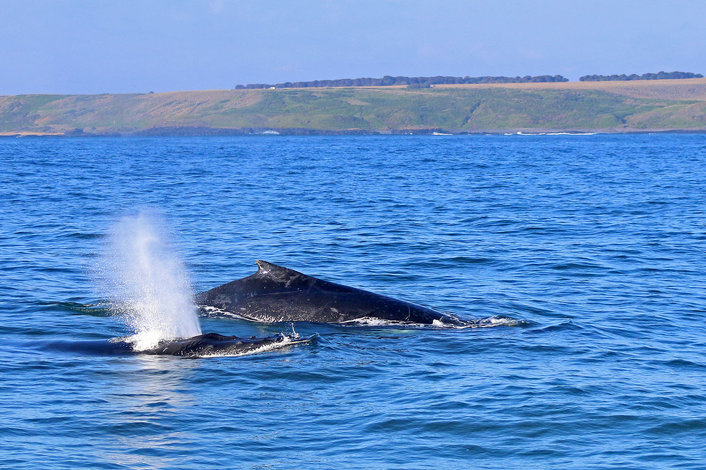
634	106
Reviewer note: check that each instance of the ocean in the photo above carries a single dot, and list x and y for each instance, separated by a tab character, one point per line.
590	249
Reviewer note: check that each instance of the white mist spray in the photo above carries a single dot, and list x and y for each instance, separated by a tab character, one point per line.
148	283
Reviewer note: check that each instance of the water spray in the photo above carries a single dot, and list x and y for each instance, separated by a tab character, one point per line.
147	282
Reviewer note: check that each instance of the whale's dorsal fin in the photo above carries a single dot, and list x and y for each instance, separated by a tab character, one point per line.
265	268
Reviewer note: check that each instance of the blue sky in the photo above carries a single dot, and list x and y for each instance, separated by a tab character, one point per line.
71	46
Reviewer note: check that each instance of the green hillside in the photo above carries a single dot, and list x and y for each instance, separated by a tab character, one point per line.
462	109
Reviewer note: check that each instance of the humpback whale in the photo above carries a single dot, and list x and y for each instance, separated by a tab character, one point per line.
278	294
210	344
213	344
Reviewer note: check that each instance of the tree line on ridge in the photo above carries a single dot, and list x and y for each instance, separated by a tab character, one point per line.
412	82
426	82
644	76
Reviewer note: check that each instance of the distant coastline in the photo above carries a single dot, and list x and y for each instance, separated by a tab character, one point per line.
658	105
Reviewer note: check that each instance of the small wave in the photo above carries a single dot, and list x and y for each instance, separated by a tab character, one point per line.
550	133
75	308
85	235
111	347
576	266
501	320
562	326
683	364
571	133
488	322
679	426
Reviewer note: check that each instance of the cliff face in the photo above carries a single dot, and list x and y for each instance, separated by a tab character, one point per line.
659	105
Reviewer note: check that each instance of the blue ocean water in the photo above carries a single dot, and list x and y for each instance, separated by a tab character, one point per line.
596	245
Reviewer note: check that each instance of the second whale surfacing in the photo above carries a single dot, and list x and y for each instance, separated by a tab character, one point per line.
213	344
277	294
206	345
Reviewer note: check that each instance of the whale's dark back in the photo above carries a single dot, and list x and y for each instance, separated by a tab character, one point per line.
213	344
278	294
208	344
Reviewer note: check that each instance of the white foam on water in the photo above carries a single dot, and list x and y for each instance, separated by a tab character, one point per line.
488	322
571	133
499	320
147	283
373	321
